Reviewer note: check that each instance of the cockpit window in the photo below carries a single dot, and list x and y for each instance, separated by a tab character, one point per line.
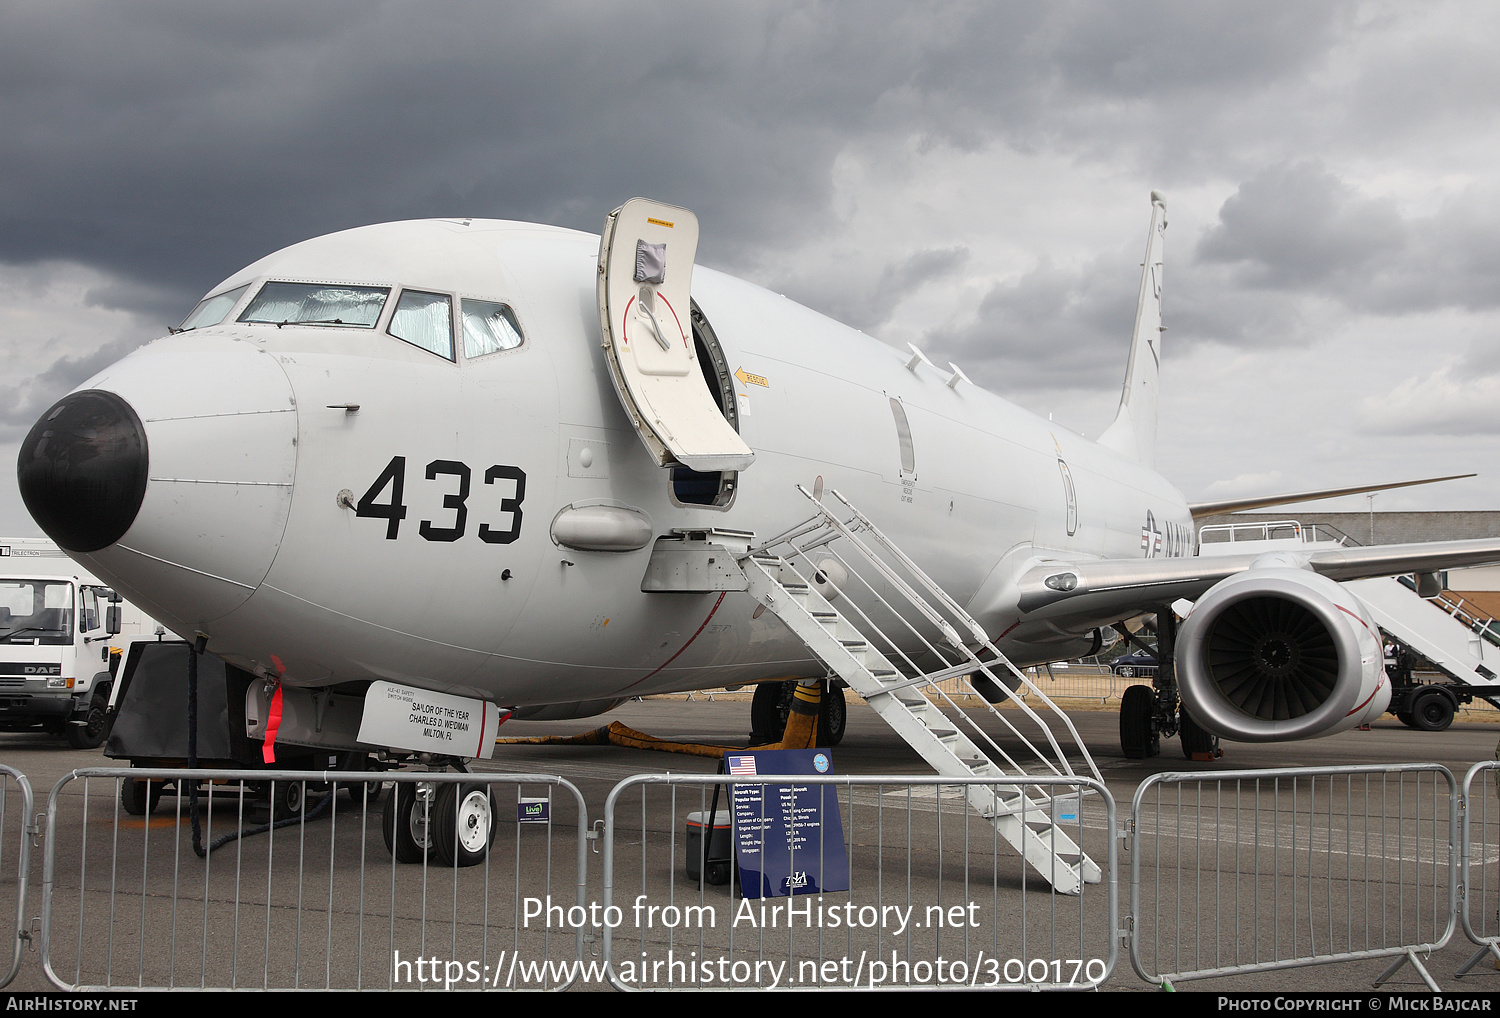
211	310
317	304
488	328
425	320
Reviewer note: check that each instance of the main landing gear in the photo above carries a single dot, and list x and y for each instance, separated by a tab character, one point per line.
1140	737
773	702
1146	715
1149	712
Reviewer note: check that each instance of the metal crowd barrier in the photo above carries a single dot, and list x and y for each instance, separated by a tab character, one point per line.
1235	872
934	898
1080	681
1248	871
316	903
1479	876
16	823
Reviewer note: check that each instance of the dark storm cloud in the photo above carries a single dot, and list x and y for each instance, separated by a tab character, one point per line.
176	142
1053	327
1291	233
1135	50
23	400
163	129
1299	228
849	293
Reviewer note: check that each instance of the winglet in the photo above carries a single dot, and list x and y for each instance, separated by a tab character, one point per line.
1133	432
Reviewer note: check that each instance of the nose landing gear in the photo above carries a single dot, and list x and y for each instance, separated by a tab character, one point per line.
450	824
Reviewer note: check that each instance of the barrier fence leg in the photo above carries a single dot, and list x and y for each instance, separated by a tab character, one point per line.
1491	949
1410	957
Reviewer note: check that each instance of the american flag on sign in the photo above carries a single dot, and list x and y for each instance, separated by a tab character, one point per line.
742	765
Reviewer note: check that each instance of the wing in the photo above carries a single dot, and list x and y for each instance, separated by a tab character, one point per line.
1239	505
1100	591
1275	647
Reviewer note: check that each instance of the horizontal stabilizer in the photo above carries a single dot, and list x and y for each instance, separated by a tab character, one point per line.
1236	505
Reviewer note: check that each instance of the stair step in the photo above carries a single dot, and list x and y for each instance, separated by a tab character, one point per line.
1021	821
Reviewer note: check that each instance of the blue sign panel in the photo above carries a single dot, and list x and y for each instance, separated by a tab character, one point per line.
788	839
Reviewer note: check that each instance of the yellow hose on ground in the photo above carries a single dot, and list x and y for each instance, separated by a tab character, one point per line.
801	732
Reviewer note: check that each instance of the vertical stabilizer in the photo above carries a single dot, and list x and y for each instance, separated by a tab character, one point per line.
1133	432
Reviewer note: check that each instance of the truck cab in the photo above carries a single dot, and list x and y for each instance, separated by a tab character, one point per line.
60	640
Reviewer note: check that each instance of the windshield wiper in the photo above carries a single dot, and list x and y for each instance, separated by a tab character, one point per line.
314	321
27	629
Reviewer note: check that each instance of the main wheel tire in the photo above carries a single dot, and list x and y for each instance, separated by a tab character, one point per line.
773	702
833	713
1432	711
1195	739
288	799
95	730
404	825
463	824
1139	738
361	793
138	797
768	710
992	691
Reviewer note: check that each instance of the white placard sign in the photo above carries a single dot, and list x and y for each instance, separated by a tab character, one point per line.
404	717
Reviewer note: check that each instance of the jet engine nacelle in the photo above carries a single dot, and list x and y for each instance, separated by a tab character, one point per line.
1278	653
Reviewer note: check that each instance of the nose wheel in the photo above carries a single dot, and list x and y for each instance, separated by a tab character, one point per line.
449	824
406	822
463	824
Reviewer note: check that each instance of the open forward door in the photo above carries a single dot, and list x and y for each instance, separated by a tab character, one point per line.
645	276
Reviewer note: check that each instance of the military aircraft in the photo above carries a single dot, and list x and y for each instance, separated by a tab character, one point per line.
435	459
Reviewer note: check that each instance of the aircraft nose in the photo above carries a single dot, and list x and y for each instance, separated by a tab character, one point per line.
171	474
82	470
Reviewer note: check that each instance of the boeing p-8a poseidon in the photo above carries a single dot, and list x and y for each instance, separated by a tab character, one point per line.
471	462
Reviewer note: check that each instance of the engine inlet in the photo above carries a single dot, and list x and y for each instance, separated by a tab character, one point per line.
1272	658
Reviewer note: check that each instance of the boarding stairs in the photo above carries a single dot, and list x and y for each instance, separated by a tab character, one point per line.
1466	614
1455	645
813	577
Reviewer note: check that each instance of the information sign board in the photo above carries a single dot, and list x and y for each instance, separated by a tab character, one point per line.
788	839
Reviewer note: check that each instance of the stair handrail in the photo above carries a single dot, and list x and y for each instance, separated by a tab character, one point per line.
862	524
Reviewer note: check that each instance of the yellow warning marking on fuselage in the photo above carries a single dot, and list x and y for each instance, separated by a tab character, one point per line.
746	378
660	222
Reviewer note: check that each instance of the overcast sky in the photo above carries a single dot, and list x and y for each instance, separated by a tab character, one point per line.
971	177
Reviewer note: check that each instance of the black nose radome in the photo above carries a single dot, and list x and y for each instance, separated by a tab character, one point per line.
82	470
